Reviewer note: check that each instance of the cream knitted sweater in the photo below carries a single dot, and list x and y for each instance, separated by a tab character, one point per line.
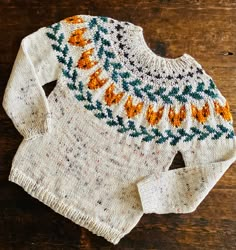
98	149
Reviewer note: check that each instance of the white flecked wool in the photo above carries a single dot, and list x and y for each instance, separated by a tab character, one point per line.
98	149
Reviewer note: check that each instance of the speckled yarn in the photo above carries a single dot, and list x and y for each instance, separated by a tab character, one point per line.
98	149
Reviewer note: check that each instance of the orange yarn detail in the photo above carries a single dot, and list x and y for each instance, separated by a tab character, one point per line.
77	39
177	118
200	114
152	116
132	110
111	97
224	111
74	19
95	82
85	62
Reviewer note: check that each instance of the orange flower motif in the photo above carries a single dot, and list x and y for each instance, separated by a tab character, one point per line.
95	82
74	19
131	109
111	97
177	118
152	116
200	114
85	62
224	111
77	39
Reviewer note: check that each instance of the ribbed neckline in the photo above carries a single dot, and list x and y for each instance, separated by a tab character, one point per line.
144	53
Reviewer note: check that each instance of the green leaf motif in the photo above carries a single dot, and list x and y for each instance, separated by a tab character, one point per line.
111	123
134	134
72	86
116	65
151	96
96	37
81	86
51	36
70	62
89	96
80	97
174	91
55	27
103	18
130	127
106	42
187	90
122	130
181	98
211	93
92	23
160	91
166	99
147	87
99	105
125	86
107	64
89	106
120	120
137	92
100	115
110	54
196	96
100	52
114	76
74	76
212	84
66	73
125	74
148	138
61	59
61	38
102	29
109	113
56	47
200	87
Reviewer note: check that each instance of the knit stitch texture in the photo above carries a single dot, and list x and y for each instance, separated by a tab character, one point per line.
98	149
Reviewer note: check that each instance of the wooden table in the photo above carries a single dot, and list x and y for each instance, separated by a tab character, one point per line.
205	29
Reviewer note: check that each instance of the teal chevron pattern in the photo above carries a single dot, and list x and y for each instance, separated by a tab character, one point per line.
105	113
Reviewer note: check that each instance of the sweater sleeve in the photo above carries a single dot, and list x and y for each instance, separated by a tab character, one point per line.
24	99
182	190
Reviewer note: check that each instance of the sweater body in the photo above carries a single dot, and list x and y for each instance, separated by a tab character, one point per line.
98	149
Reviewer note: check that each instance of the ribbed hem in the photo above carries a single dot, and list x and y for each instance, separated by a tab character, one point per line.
42	194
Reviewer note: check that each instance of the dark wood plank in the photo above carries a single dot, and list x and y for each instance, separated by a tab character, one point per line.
205	30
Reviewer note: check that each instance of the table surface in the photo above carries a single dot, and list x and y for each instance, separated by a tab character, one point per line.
204	29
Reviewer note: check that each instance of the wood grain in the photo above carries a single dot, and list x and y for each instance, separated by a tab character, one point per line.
204	29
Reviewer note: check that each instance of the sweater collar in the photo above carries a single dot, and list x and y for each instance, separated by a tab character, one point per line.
132	51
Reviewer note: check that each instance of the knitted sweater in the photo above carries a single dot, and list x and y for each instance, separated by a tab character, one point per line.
98	149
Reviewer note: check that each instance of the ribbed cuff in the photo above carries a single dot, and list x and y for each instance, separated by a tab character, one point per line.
42	128
148	190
